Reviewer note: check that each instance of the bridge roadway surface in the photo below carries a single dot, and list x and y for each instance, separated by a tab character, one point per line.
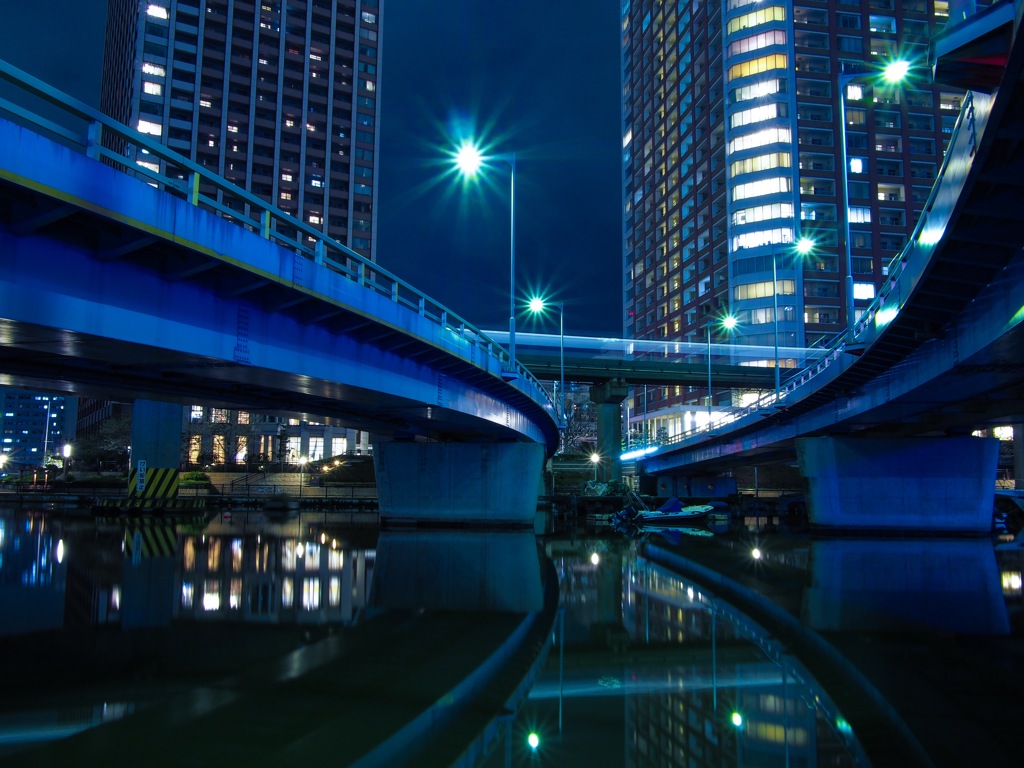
123	288
939	350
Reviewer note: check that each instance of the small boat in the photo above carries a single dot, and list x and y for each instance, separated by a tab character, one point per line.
671	520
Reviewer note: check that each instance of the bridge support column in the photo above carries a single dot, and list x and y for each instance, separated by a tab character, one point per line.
471	484
608	397
156	451
941	484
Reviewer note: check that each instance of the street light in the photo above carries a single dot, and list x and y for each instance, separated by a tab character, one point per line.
595	459
67	459
803	246
469	160
895	72
728	322
537	305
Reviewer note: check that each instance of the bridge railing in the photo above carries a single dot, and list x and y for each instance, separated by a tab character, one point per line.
138	154
904	270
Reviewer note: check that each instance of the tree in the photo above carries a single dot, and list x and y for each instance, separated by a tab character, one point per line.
107	443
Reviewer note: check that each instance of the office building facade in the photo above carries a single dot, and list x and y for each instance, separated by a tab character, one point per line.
280	99
733	151
35	428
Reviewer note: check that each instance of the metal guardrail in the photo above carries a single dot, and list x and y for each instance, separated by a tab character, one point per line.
962	142
184	178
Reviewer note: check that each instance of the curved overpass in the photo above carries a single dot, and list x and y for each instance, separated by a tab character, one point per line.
164	284
937	353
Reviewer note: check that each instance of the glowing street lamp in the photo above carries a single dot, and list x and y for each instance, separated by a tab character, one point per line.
595	459
67	459
469	160
803	247
893	74
537	305
728	323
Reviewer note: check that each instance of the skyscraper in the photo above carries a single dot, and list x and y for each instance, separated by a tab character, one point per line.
35	427
732	152
277	97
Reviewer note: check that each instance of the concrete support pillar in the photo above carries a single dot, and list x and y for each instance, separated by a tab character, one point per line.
608	397
940	484
472	484
156	450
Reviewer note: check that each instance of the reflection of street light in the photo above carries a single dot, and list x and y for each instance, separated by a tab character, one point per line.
894	73
728	322
469	160
803	247
67	459
595	459
536	306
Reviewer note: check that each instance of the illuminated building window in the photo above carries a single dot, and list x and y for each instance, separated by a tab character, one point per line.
760	138
213	554
860	215
211	595
757	90
148	68
287	592
864	291
763	290
774	13
236	555
312	556
755	42
759	65
235	595
761	163
335	560
147	126
187	594
311	594
156	11
762	213
188	554
288	555
762	237
762	187
334	592
758	114
153	89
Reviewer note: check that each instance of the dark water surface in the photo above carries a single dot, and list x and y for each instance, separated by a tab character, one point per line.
312	641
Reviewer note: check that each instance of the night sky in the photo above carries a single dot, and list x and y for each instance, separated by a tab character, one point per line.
539	79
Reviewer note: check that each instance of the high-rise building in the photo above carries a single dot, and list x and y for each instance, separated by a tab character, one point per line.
277	97
35	427
733	146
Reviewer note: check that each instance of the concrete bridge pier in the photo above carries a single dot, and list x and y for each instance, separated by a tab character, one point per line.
608	397
155	450
470	484
925	484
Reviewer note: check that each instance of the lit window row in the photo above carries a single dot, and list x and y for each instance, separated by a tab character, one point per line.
758	90
759	65
761	163
859	215
756	42
148	126
156	70
758	114
763	290
762	237
747	20
156	11
762	187
760	139
762	213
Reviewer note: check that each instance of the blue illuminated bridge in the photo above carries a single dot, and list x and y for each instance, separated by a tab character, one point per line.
880	425
160	283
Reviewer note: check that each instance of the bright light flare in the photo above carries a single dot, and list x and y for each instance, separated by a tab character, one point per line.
468	159
737	719
595	558
896	71
536	305
728	322
755	553
533	740
804	245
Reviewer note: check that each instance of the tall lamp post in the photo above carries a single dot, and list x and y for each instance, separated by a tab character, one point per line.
595	459
67	459
895	72
469	161
728	322
537	305
803	247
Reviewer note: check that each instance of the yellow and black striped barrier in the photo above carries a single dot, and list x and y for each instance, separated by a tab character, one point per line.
159	483
149	537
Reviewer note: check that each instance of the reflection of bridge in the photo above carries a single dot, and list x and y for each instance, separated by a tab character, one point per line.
881	423
166	284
